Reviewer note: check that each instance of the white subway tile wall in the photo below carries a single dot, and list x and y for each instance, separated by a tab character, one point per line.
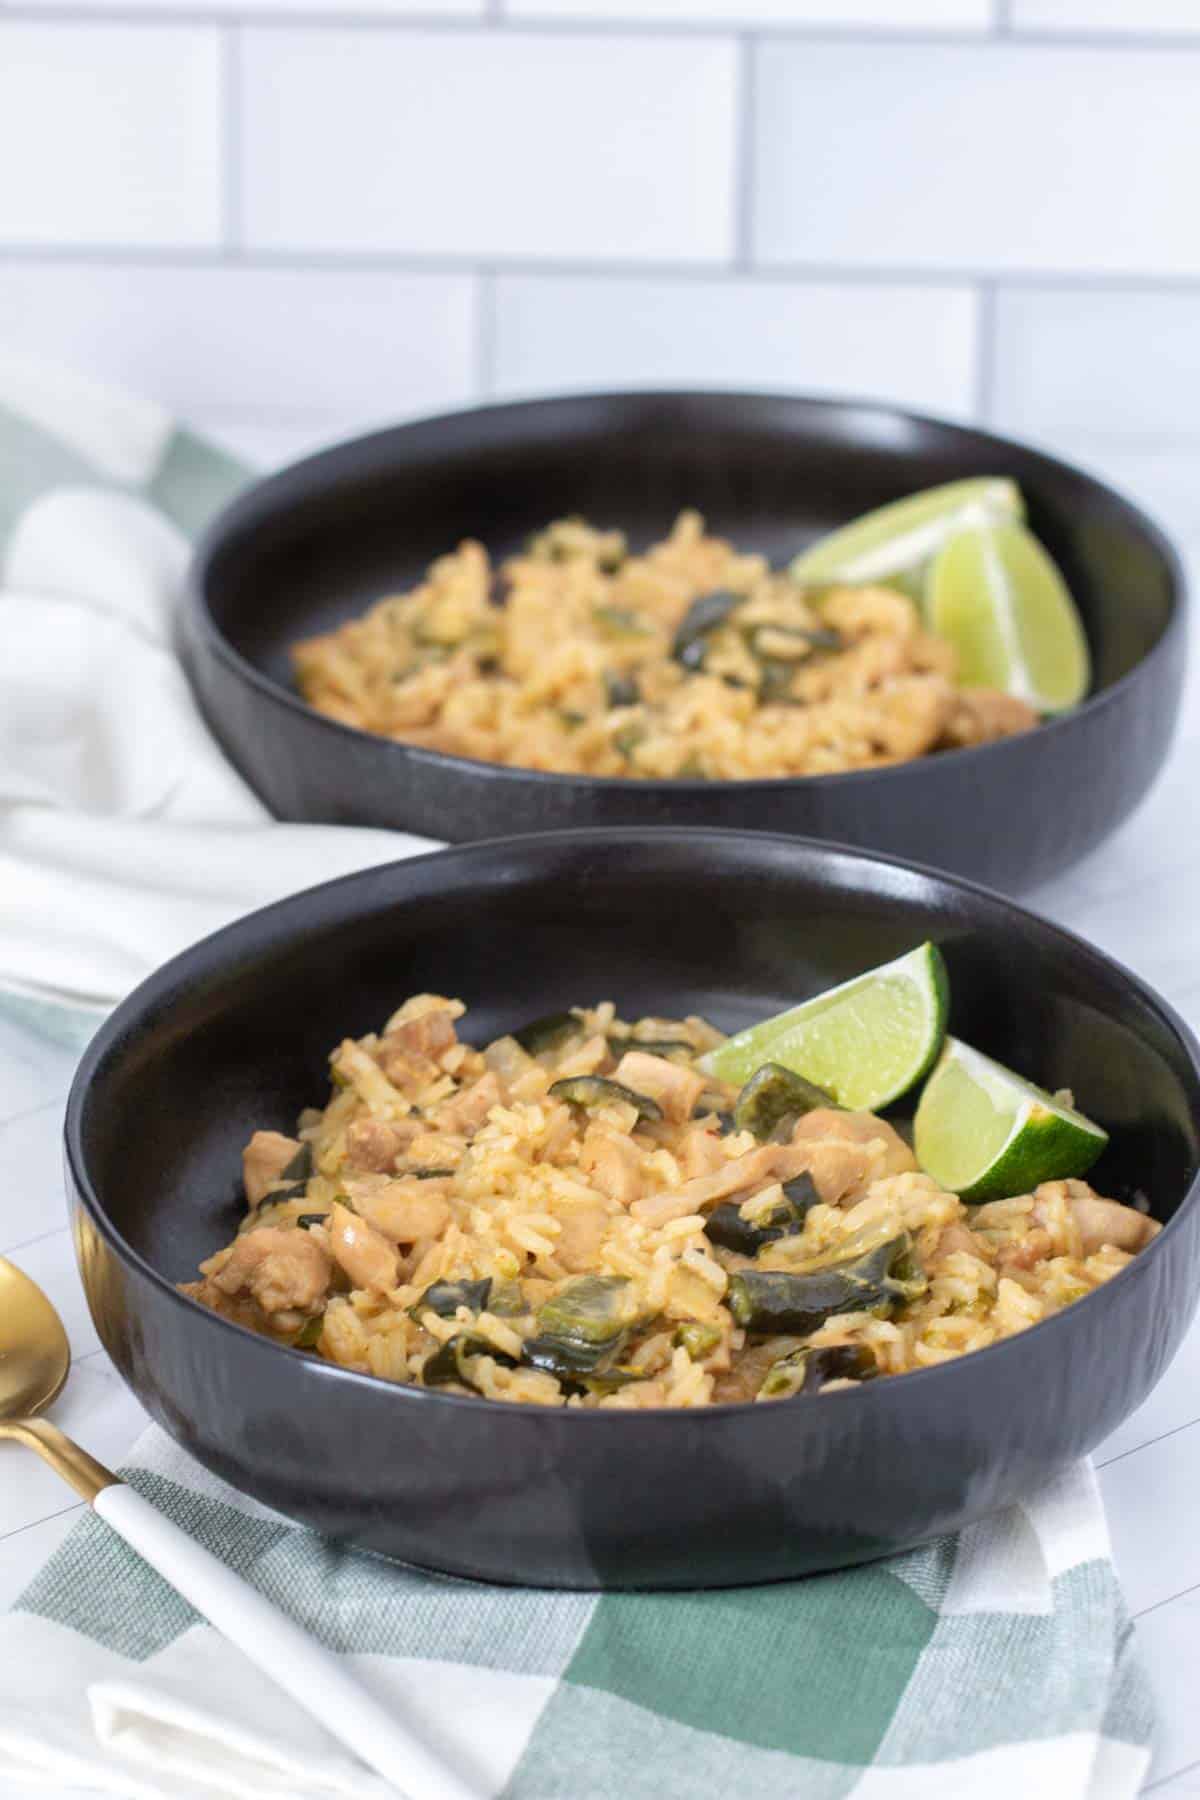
299	218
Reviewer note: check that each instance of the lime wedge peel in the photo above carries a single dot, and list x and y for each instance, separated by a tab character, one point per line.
904	537
996	595
984	1133
865	1042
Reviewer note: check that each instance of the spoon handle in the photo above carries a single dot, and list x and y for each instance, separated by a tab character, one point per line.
318	1680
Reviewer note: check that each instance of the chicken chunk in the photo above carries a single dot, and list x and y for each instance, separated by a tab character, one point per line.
286	1271
429	1035
613	1163
981	715
402	1210
888	1152
364	1253
372	1145
264	1159
466	1111
675	1087
740	1175
1099	1222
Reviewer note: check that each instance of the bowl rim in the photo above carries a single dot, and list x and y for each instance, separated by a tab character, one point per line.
174	973
346	452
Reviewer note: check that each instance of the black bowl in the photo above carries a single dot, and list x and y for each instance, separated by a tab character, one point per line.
234	1034
314	545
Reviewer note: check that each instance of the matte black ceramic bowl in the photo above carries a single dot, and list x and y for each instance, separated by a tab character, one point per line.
314	545
235	1034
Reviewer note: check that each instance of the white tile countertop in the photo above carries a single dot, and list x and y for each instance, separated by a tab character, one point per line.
1131	899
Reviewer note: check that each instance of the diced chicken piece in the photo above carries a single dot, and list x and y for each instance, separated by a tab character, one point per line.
407	1070
466	1111
264	1159
591	1055
372	1144
861	611
740	1174
981	715
1100	1222
428	1035
614	1164
699	1152
879	1151
675	1087
284	1270
365	1254
577	1246
402	1210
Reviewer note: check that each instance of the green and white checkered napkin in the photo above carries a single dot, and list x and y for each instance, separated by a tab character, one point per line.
996	1662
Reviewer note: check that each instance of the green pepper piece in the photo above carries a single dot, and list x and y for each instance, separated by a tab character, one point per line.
548	1033
449	1362
766	1302
773	1099
583	1328
805	1371
703	616
598	1090
727	1227
698	1340
306	1221
620	621
300	1167
427	1174
445	1297
665	1047
309	1334
621	689
506	1300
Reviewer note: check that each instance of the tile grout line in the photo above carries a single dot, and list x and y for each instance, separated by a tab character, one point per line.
550	268
485	332
230	140
61	1513
1136	1449
31	1112
745	128
985	351
41	1238
490	13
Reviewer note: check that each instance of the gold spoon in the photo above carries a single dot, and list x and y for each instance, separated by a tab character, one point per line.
34	1360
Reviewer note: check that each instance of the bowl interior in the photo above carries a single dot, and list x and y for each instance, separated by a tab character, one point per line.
315	545
236	1034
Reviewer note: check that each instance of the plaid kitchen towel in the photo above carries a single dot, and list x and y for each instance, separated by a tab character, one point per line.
996	1662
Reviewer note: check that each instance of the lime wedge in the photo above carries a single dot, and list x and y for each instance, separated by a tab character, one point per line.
996	595
985	1134
900	539
865	1042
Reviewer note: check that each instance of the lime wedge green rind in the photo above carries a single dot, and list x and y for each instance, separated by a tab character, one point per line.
865	1042
994	592
984	1133
900	539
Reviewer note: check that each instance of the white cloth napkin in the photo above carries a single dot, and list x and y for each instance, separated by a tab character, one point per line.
124	833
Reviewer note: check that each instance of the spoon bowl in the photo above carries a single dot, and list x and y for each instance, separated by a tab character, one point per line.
35	1356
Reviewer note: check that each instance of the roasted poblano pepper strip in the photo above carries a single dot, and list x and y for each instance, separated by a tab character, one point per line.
309	1334
727	1227
450	1362
697	1339
292	1180
768	1301
548	1033
665	1047
621	690
774	1098
445	1297
598	1090
583	1328
703	616
807	1370
306	1221
506	1300
427	1174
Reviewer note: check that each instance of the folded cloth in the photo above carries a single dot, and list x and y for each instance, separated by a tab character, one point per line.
998	1660
124	833
993	1663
